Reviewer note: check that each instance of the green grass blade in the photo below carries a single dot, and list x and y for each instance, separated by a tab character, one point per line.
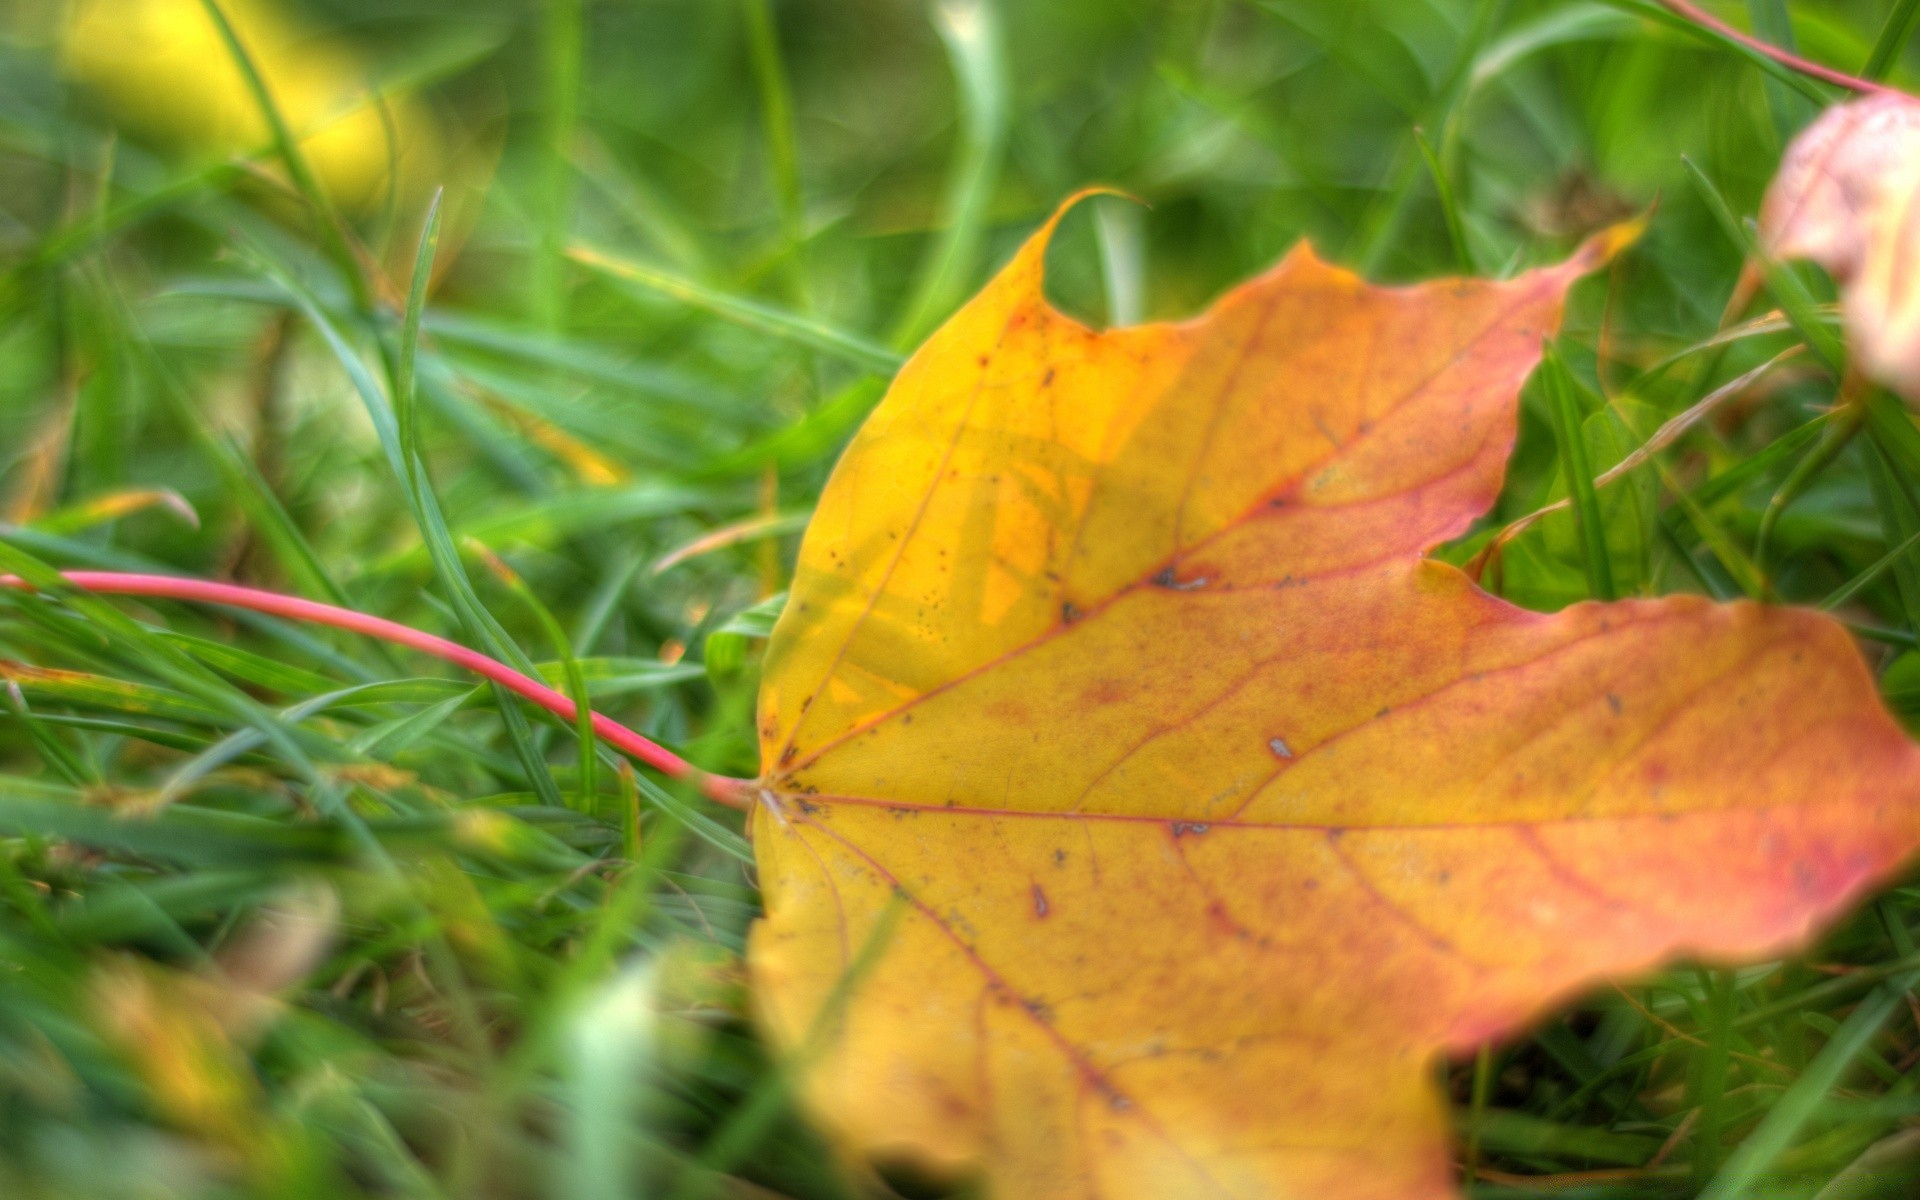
404	398
1833	442
252	668
783	155
576	682
1757	466
1900	524
1560	389
970	30
478	623
560	37
1854	586
287	147
1561	25
1377	230
1710	1097
849	347
1449	208
749	1122
1790	109
698	823
53	752
1893	38
242	479
1749	1164
1794	299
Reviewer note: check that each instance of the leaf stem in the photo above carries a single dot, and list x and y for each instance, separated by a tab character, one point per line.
722	788
1696	15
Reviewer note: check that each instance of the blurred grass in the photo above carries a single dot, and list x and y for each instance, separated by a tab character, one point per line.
280	916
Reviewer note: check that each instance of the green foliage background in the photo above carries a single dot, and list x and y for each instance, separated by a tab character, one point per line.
480	970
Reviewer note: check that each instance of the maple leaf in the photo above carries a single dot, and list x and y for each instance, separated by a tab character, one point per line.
1845	197
1144	814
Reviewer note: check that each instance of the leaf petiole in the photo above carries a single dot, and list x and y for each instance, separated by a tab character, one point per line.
723	789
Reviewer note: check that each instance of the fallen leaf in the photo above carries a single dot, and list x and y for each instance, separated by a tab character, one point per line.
162	67
1845	197
1211	812
161	70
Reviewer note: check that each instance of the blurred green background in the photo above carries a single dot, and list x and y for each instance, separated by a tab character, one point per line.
283	913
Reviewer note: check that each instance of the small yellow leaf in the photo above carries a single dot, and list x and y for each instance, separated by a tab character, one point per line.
163	69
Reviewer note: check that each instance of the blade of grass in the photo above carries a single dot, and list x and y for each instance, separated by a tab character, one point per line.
82	234
560	36
1378	227
1558	26
749	1121
605	601
570	666
1669	432
53	752
696	822
1751	1162
783	156
1833	441
1894	432
1893	468
1899	519
1745	472
1573	465
266	515
1726	552
747	530
1711	1082
252	668
182	780
473	617
1449	208
190	836
1758	327
1852	587
1794	299
406	402
1477	1110
1789	109
383	742
849	347
970	30
332	230
1893	38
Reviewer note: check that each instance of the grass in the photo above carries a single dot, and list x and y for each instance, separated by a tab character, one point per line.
287	913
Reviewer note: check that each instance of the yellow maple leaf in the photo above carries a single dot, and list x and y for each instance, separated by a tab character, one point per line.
1143	813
